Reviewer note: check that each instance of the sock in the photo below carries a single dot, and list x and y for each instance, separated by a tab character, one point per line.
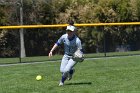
71	71
63	79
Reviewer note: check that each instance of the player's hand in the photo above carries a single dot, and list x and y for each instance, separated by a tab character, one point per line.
50	54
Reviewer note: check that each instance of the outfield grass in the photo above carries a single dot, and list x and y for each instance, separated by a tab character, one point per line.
106	75
58	57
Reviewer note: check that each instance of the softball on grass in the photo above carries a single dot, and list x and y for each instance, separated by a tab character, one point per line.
38	77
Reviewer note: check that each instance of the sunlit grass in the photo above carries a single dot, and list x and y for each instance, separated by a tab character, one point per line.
106	75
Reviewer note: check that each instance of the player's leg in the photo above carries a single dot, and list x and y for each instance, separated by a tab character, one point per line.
69	68
64	63
70	74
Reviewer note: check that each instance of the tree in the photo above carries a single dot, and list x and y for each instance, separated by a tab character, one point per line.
80	11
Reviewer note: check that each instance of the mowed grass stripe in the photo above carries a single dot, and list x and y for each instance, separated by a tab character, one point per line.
115	75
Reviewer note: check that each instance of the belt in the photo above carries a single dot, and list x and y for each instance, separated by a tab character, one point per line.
69	54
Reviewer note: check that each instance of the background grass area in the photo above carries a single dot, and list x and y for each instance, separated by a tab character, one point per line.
58	57
106	75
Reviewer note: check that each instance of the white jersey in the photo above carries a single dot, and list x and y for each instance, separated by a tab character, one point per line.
70	45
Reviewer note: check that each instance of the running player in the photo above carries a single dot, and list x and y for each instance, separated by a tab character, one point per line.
71	44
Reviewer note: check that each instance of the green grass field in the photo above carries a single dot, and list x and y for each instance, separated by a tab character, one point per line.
58	57
105	75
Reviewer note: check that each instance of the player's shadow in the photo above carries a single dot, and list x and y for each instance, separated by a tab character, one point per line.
79	83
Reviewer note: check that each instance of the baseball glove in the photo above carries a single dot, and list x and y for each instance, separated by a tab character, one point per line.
78	56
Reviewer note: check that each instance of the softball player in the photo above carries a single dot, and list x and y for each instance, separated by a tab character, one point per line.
71	44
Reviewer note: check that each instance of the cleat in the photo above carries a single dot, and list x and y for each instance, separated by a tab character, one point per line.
61	83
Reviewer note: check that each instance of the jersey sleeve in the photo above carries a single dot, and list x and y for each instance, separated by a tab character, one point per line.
60	41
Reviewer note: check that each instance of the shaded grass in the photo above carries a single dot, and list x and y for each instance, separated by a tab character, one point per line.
9	60
116	75
58	57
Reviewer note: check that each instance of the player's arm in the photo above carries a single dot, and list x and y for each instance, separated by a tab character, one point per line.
56	45
53	48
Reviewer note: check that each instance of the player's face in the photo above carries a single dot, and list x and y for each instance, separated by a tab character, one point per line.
70	33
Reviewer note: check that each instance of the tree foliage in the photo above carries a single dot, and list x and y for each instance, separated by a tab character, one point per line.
39	41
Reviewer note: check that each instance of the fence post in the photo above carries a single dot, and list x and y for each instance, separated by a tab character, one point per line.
104	41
